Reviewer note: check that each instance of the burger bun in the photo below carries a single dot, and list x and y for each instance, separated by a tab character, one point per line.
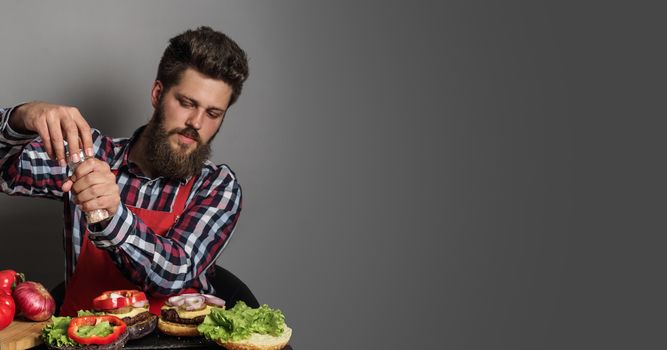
177	329
260	341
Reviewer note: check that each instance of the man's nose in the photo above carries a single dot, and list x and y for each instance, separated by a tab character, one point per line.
195	119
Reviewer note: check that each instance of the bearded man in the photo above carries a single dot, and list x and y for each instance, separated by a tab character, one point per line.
170	210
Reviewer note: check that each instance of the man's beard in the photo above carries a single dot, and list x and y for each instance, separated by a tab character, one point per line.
176	165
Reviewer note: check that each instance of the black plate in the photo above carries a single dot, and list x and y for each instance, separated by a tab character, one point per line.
157	340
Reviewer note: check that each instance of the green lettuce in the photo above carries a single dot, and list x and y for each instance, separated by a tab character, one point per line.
81	313
101	329
241	321
55	333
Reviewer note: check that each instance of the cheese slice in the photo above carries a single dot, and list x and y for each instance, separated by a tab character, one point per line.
189	314
135	311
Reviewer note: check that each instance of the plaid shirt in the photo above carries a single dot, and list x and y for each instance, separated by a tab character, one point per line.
160	265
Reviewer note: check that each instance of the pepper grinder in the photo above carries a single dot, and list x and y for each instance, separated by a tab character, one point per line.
92	216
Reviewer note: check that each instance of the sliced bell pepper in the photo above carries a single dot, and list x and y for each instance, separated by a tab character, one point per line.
79	329
7	309
9	279
117	298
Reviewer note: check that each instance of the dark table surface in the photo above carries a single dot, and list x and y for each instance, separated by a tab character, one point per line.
157	340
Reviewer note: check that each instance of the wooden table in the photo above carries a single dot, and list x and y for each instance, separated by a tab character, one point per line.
21	335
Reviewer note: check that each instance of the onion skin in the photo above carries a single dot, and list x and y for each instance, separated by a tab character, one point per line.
34	301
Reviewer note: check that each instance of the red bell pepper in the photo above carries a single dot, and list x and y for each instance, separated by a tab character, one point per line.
117	298
117	328
7	309
9	279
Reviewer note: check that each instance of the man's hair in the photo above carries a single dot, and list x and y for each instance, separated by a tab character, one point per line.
209	52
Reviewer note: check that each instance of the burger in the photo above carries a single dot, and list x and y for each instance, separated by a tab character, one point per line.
94	332
245	328
129	305
181	314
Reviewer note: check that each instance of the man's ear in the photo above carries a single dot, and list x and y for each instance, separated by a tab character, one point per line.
156	93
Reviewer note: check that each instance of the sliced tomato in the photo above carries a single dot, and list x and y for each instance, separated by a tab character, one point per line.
118	298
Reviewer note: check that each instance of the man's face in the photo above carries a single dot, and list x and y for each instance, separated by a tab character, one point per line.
186	119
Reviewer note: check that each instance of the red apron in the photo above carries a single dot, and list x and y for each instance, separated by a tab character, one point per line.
96	273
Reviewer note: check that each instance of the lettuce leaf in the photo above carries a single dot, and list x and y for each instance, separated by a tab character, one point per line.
88	313
101	329
56	333
241	321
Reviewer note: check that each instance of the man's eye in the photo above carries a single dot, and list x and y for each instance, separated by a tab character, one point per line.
186	104
214	114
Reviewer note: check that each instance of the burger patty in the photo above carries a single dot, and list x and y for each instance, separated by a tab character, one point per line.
138	318
172	316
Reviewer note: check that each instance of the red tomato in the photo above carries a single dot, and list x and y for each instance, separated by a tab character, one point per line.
7	309
9	279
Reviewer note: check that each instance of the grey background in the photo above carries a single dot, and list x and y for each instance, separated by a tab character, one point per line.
464	175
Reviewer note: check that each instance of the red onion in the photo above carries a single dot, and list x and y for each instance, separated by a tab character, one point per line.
175	301
34	301
189	295
194	303
214	301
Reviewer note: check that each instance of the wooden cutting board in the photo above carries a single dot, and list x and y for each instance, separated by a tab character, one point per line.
21	335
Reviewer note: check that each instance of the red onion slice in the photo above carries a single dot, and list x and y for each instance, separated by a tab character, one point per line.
189	295
193	303
140	303
177	300
214	301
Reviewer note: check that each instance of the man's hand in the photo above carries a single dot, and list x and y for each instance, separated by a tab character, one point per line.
95	186
54	124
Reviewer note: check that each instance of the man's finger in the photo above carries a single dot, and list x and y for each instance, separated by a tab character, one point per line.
72	135
67	185
86	167
84	133
106	202
43	132
94	191
57	141
88	177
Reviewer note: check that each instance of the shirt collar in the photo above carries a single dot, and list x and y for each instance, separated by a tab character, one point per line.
124	163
